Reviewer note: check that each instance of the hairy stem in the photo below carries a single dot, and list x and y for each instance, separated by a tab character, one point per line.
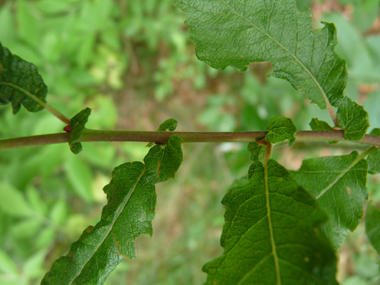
48	107
162	137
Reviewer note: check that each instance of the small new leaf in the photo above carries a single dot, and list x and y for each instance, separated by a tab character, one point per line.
20	83
280	129
271	234
129	213
339	185
353	119
372	227
169	124
317	125
77	124
374	157
257	151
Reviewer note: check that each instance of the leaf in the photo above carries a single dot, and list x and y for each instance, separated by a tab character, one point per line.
171	154
129	213
317	125
280	129
271	234
20	83
77	124
257	151
353	119
169	124
374	157
339	185
13	202
372	227
237	33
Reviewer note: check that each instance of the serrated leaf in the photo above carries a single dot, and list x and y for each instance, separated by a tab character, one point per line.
77	124
317	125
374	157
20	83
280	129
353	119
128	214
237	33
339	185
168	125
372	226
171	154
257	151
271	234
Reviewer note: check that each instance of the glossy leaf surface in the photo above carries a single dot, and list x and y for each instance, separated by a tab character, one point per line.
271	234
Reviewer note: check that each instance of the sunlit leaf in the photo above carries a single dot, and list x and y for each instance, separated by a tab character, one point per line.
271	234
20	83
339	185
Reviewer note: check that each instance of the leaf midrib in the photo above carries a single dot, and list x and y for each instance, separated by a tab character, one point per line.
286	50
111	226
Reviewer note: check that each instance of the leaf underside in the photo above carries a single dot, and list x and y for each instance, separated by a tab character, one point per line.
271	234
129	213
18	77
339	185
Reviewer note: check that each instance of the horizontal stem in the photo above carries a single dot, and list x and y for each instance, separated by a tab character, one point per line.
163	137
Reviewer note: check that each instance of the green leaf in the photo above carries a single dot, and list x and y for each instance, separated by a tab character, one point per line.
271	234
353	119
13	202
375	132
129	213
77	124
257	151
237	33
339	185
169	124
372	226
374	157
317	125
20	83
280	129
164	161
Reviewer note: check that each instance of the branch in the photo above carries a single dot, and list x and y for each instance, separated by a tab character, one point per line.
187	137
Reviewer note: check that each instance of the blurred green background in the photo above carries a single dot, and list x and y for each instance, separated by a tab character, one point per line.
133	64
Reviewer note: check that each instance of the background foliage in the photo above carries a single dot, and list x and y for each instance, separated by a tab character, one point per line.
132	63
